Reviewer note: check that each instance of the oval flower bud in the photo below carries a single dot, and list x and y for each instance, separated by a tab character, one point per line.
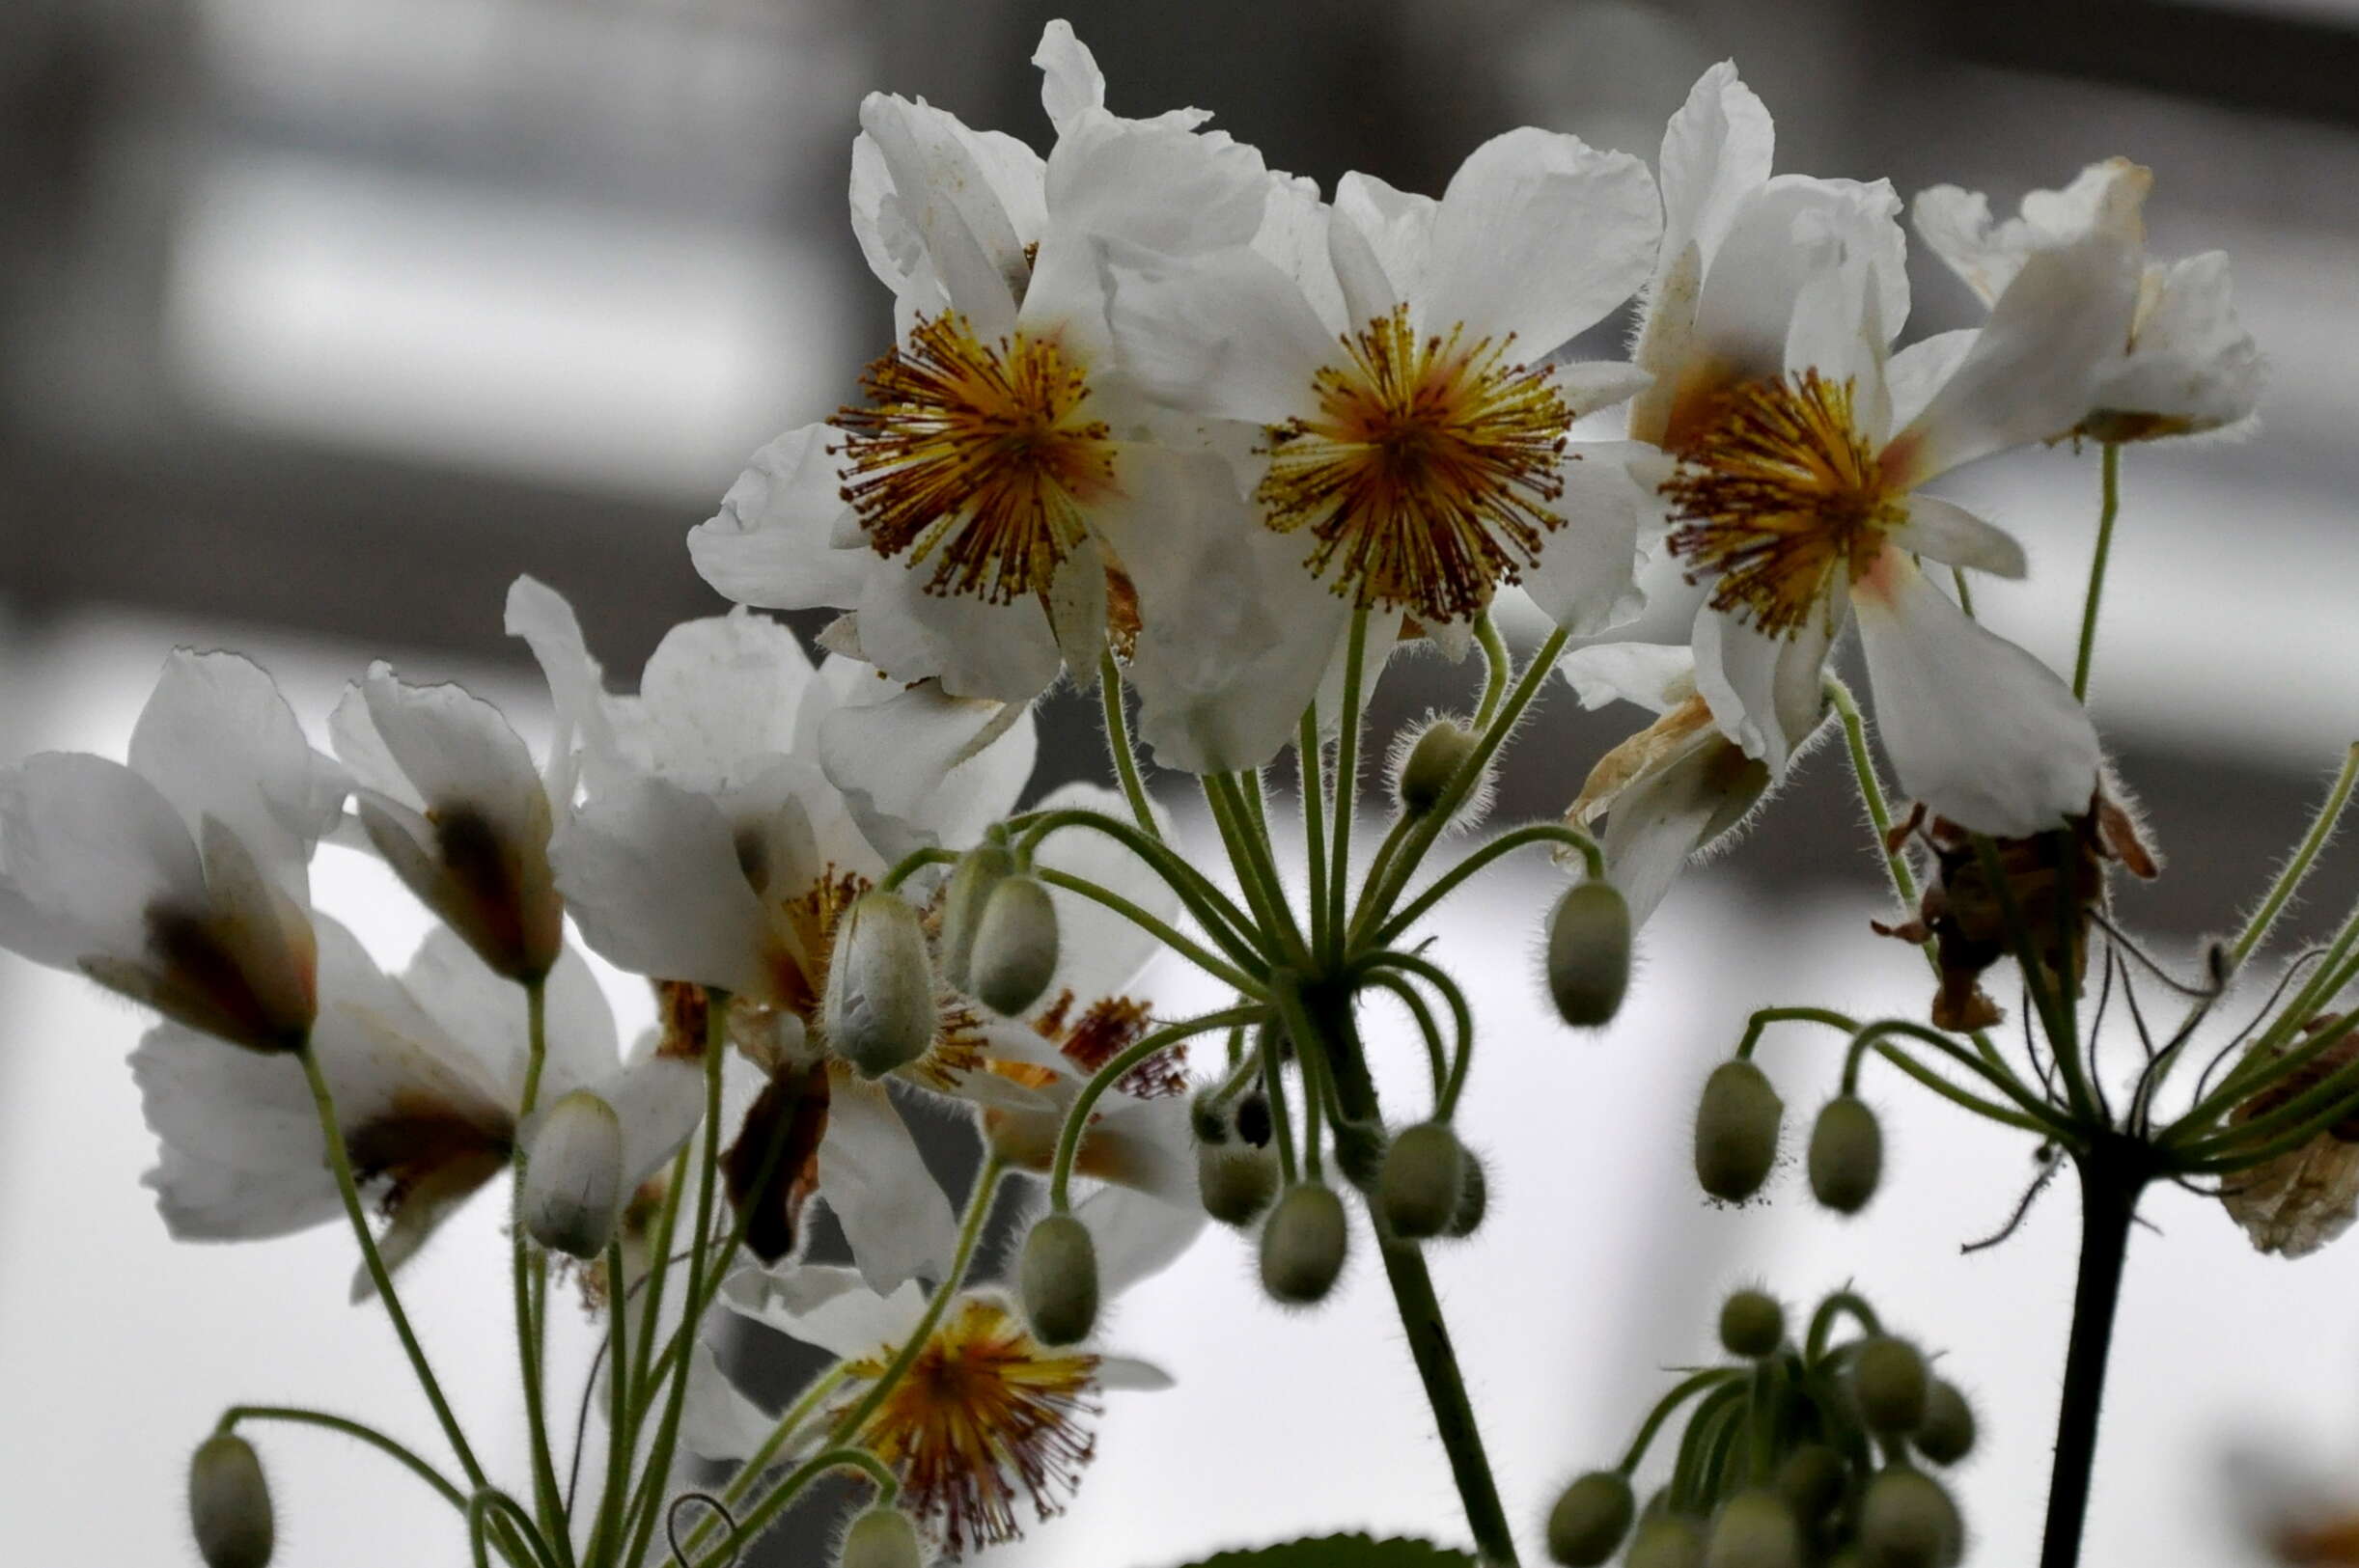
1428	764
1947	1433
1589	1519
1907	1520
1667	1541
1752	1324
978	870
1846	1154
1208	1119
1888	1379
879	1010
1016	946
1417	1188
1474	1196
882	1538
574	1176
1058	1281
1755	1529
229	1503
1588	954
1736	1127
1303	1244
1237	1183
1811	1480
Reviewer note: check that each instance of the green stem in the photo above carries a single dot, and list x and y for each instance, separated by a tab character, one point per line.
1841	1303
1214	911
793	1487
1667	1407
1325	936
2039	1116
1118	742
2111	464
914	861
1281	1115
1257	875
528	1270
1236	979
1077	1117
2289	880
488	1501
2110	1186
359	1430
1347	773
619	1439
1507	844
1497	666
1462	1019
658	1270
2051	998
1437	1055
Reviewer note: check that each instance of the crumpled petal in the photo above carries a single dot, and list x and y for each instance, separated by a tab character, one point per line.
773	543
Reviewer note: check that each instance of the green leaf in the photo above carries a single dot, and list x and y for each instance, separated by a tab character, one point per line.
1343	1552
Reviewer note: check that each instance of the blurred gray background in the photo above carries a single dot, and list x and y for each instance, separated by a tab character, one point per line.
321	319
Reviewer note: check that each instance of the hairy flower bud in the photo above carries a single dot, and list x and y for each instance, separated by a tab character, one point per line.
979	869
229	1503
879	1010
1236	1184
1360	1147
1474	1196
574	1176
1846	1154
1208	1119
1418	1186
1811	1480
1888	1378
1736	1127
1588	954
1589	1519
1058	1281
1907	1520
1947	1433
882	1538
1427	764
1666	1541
1755	1529
1303	1243
1016	946
1752	1324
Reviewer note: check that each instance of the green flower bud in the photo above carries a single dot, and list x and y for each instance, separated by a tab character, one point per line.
229	1503
1946	1435
1846	1155
1588	954
1418	1187
1359	1152
1058	1281
1474	1196
1589	1519
979	869
1907	1520
1888	1379
1016	946
1736	1127
1428	764
1667	1541
1236	1184
1303	1244
1755	1529
1209	1119
882	1538
1752	1324
879	1011
574	1176
1811	1480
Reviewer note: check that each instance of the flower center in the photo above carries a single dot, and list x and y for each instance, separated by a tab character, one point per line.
981	1411
1775	496
1428	472
979	455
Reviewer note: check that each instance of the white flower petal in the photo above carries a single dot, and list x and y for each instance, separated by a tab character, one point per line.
1136	1236
1779	237
454	749
1099	953
1976	729
1070	82
976	648
89	846
1916	373
1717	148
240	1156
1131	1375
1765	693
1955	224
1656	676
540	616
1586	578
919	767
1228	335
894	1212
2192	364
717	1422
1540	234
660	1101
939	181
1396	227
826	1306
771	543
650	874
717	702
1943	530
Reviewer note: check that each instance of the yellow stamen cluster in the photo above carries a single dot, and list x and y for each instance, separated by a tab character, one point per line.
1777	495
982	1411
1429	472
981	457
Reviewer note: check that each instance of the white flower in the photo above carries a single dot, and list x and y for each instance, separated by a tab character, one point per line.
2186	366
427	1071
449	797
964	514
182	880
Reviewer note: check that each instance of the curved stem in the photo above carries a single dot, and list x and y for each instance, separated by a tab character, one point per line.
1077	1116
914	861
2280	892
1236	979
1118	742
1497	666
793	1487
1668	1405
1766	1016
2111	464
1437	1055
1507	844
2109	1203
1222	920
1462	1019
1822	1322
1257	875
481	1508
359	1430
2037	1116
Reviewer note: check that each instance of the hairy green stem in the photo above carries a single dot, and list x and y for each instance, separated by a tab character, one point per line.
1118	742
2110	463
359	1430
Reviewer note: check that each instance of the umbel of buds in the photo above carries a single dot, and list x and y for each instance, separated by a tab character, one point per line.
1015	945
879	1009
1303	1244
979	869
1418	1187
1589	1519
882	1538
1737	1125
229	1503
1588	954
574	1176
1425	765
1058	1281
1846	1154
1236	1182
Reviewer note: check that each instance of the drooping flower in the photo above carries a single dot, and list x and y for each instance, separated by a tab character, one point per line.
180	879
448	795
2187	365
965	511
427	1071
